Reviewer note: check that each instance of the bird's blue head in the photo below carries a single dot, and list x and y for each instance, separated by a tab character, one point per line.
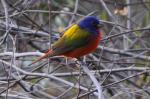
91	24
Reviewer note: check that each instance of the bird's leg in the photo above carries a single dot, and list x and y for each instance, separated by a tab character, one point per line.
70	60
66	61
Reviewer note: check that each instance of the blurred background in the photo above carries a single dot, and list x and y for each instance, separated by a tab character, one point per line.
121	62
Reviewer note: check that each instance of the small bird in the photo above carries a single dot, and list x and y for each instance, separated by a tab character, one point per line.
78	40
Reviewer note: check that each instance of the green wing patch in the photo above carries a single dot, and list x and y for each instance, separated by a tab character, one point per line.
73	38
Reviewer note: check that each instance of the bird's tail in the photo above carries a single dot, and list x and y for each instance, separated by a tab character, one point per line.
49	53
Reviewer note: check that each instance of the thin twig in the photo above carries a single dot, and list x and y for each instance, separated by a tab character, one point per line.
6	22
96	83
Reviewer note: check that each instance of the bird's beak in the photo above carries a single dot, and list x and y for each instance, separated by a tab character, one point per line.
100	25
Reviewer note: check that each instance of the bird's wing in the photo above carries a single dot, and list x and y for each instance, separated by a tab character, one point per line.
73	38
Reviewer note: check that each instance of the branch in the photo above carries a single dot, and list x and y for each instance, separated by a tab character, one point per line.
22	54
136	69
51	76
96	83
122	52
6	22
108	85
24	30
119	34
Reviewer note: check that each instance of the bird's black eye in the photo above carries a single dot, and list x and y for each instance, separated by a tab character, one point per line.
94	23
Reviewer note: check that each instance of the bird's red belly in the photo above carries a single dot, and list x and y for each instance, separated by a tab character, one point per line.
90	47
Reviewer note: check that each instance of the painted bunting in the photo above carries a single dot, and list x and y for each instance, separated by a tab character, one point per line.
78	40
